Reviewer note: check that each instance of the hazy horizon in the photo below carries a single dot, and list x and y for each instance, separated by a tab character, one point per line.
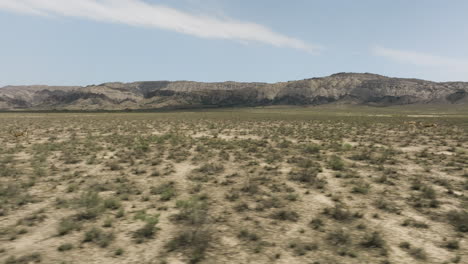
43	84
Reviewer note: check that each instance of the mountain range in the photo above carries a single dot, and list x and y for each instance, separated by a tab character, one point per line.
340	88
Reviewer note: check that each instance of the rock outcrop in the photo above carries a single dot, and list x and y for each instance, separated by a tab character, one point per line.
340	88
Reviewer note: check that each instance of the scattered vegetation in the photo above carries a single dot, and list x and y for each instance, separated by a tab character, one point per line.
220	186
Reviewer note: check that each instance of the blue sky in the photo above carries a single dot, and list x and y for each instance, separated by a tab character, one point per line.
65	42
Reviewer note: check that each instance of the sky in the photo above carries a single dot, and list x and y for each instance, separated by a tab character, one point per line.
84	42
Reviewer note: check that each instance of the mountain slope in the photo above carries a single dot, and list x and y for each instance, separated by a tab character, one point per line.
345	88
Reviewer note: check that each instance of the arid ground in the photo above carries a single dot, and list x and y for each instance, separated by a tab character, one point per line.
255	185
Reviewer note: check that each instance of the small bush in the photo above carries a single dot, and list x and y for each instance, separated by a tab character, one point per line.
336	163
373	240
89	213
417	184
247	235
107	222
251	187
316	223
194	242
428	192
300	249
120	213
285	215
459	219
308	175
241	207
112	204
89	199
67	225
405	245
414	223
166	191
99	237
386	205
232	196
27	259
361	187
192	211
114	166
211	168
311	149
147	231
418	253
338	213
452	244
65	247
33	219
339	237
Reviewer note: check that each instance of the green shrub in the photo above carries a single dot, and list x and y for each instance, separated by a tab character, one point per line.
89	213
373	240
308	175
285	215
194	242
339	213
119	252
301	248
114	166
316	223
166	191
107	222
251	187
361	187
27	259
414	223
211	168
65	247
418	253
452	244
99	237
386	205
311	149
147	231
192	211
459	219
120	213
67	225
428	192
339	237
112	203
336	163
89	199
405	245
247	235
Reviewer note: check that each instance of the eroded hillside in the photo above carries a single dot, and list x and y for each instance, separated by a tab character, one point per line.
342	88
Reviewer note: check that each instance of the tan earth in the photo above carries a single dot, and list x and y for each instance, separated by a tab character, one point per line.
267	185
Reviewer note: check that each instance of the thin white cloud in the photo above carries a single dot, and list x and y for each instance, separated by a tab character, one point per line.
140	13
18	6
421	59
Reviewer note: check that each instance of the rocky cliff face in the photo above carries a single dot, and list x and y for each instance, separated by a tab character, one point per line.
343	88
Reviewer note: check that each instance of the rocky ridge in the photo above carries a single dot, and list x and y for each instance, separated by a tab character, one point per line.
340	88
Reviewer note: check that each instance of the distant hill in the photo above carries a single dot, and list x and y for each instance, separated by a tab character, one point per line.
340	88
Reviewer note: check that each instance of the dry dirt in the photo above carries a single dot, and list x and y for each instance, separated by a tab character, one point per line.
238	186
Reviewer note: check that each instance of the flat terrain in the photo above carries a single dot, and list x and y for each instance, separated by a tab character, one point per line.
254	185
